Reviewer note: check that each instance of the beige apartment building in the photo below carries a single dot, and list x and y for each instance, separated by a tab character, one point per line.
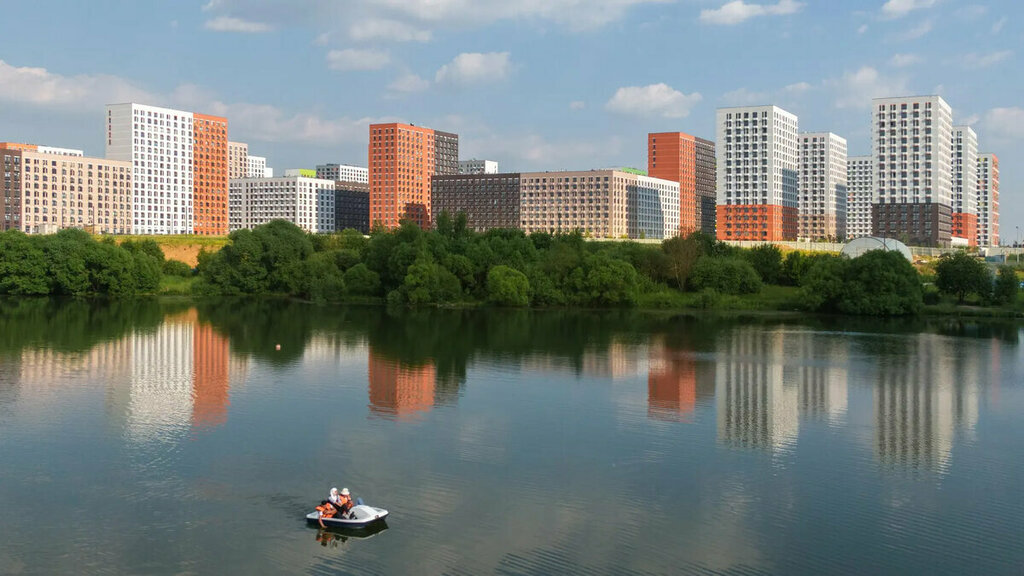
592	201
238	160
44	192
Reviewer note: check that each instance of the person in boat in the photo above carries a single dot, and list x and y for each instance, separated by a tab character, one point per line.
341	500
326	510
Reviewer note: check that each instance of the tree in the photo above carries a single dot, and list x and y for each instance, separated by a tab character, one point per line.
725	275
611	282
22	265
960	274
881	283
1007	285
362	281
682	254
767	260
507	287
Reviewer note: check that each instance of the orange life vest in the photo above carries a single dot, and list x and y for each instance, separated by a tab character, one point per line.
326	510
344	502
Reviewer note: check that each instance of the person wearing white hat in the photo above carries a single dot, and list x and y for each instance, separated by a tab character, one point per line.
342	501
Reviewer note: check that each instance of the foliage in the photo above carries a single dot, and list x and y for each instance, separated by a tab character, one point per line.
961	274
725	275
177	268
877	283
767	261
681	256
1007	285
508	287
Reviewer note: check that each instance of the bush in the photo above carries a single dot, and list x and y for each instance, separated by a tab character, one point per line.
878	283
961	274
1007	286
726	275
362	281
767	261
507	287
177	268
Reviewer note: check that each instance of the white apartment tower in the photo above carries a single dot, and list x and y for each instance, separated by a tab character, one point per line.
343	173
475	166
859	196
823	186
757	174
912	145
988	200
306	202
256	167
159	144
965	184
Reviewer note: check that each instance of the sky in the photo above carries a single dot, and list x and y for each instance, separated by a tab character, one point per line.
533	84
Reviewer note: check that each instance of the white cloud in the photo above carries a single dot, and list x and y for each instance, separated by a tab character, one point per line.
231	24
475	68
745	97
739	11
38	86
798	88
998	26
971	12
917	31
904	60
900	8
352	59
577	105
1004	124
863	28
409	83
856	89
970	120
386	29
653	100
974	60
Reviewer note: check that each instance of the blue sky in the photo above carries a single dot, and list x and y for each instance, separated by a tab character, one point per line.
534	84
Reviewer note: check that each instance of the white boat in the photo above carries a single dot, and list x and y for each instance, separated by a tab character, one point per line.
360	516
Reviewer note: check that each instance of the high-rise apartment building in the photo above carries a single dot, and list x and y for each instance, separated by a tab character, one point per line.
488	200
965	184
306	202
988	200
44	191
343	173
475	166
823	187
210	175
402	159
238	160
256	167
690	161
860	193
912	146
757	174
178	158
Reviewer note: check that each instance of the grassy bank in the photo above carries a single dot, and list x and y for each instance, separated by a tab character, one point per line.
183	247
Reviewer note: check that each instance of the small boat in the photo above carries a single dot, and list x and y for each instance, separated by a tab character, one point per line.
360	516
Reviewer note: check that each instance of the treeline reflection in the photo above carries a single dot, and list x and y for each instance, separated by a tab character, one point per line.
762	376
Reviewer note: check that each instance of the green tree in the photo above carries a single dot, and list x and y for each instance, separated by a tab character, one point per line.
611	282
430	283
881	283
23	270
507	287
1007	285
767	260
961	274
362	281
681	257
725	275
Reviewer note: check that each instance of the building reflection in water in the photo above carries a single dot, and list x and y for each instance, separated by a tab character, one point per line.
821	374
676	381
400	390
926	393
755	408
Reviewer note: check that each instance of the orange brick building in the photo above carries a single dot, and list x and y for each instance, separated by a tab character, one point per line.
402	158
210	175
689	160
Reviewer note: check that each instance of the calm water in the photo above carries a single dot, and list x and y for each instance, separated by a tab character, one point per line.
159	438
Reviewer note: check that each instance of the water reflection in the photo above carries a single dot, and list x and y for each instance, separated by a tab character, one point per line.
397	389
677	379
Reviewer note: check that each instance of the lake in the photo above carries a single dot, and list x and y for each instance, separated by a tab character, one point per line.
165	437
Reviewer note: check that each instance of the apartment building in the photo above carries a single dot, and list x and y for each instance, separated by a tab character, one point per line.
352	206
912	145
964	164
306	202
176	157
652	208
988	200
402	159
238	160
44	190
757	174
593	202
860	194
256	167
343	173
690	161
488	200
823	187
475	166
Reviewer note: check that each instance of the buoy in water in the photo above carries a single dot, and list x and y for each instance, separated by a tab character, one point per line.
277	347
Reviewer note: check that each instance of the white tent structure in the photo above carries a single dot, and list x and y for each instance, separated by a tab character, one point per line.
859	246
